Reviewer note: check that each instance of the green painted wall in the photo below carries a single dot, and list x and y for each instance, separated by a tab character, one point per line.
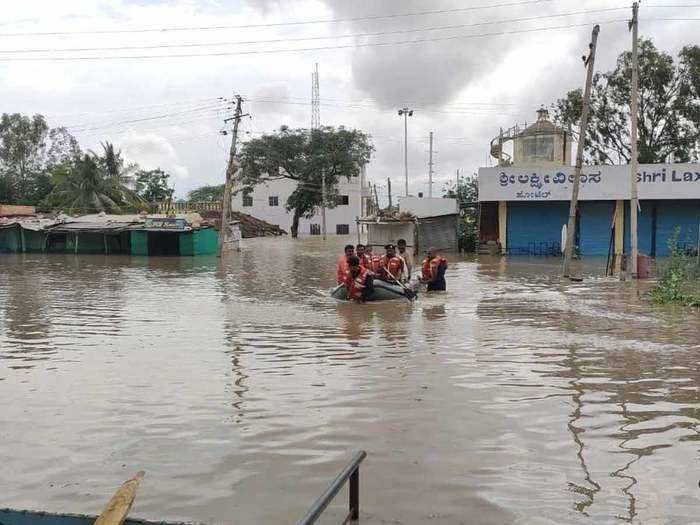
206	242
139	243
10	240
87	243
186	241
34	242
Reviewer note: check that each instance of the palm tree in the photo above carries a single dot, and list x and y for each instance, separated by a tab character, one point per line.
87	187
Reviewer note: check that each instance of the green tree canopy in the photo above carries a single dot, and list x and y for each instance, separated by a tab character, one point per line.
152	185
29	152
85	186
669	108
303	155
207	194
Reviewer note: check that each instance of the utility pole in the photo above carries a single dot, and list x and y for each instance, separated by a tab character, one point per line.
323	202
405	112
388	182
634	161
430	168
233	165
571	227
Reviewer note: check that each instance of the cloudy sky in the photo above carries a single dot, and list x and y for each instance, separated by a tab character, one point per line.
150	75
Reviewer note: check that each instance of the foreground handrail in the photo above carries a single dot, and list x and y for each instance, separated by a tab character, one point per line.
351	471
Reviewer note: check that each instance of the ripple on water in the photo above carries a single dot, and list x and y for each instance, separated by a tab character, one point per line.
242	389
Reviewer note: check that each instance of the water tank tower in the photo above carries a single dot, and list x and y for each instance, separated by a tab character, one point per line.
540	144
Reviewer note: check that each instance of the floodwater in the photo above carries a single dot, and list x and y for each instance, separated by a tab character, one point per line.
243	389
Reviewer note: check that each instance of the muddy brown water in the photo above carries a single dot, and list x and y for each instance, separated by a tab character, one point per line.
243	388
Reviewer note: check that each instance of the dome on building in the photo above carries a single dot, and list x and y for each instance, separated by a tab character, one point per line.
542	126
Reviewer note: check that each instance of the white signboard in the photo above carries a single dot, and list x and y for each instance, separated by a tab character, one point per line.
655	181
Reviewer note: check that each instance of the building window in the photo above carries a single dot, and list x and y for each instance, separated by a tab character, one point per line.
274	201
315	229
342	229
342	200
247	201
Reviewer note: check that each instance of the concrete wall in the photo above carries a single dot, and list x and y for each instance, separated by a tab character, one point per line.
283	188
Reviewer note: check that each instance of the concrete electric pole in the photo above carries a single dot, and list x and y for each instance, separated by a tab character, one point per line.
323	202
233	165
405	112
388	185
634	162
430	168
571	227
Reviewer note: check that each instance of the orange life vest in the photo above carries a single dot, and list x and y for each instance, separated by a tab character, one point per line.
393	264
341	270
355	285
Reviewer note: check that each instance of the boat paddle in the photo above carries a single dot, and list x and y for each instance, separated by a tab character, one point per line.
410	294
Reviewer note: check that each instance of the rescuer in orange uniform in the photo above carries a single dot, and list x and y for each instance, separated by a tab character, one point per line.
365	260
341	268
391	266
358	281
433	271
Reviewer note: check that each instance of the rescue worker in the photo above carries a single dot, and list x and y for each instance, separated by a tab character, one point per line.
365	260
374	258
433	271
341	269
407	258
358	281
391	267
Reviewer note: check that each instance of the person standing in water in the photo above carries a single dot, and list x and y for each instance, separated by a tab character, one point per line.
341	269
433	271
407	259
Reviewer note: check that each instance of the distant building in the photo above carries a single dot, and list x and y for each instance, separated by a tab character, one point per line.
422	223
268	202
524	201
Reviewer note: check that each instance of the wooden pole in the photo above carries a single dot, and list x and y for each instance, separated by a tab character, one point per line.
571	227
230	172
634	161
118	507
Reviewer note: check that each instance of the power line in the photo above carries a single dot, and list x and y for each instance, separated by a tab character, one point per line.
323	48
301	39
212	108
277	24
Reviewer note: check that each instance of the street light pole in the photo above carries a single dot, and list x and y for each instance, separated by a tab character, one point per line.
405	112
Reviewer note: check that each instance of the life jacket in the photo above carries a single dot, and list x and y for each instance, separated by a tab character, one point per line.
341	269
425	270
435	263
355	285
393	264
376	262
366	261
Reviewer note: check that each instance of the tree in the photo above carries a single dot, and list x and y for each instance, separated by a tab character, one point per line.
669	108
207	194
303	155
85	186
466	191
29	152
152	185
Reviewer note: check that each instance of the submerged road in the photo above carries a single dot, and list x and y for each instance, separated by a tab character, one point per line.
242	389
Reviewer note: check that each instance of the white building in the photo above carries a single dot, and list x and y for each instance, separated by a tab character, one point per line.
268	202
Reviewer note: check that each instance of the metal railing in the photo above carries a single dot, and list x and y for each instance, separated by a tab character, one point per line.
350	472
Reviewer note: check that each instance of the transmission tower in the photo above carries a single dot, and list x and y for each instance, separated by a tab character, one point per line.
315	101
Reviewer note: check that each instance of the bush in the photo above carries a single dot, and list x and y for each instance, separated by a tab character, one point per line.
679	277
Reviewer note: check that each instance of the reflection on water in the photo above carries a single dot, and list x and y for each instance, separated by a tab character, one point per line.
241	389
